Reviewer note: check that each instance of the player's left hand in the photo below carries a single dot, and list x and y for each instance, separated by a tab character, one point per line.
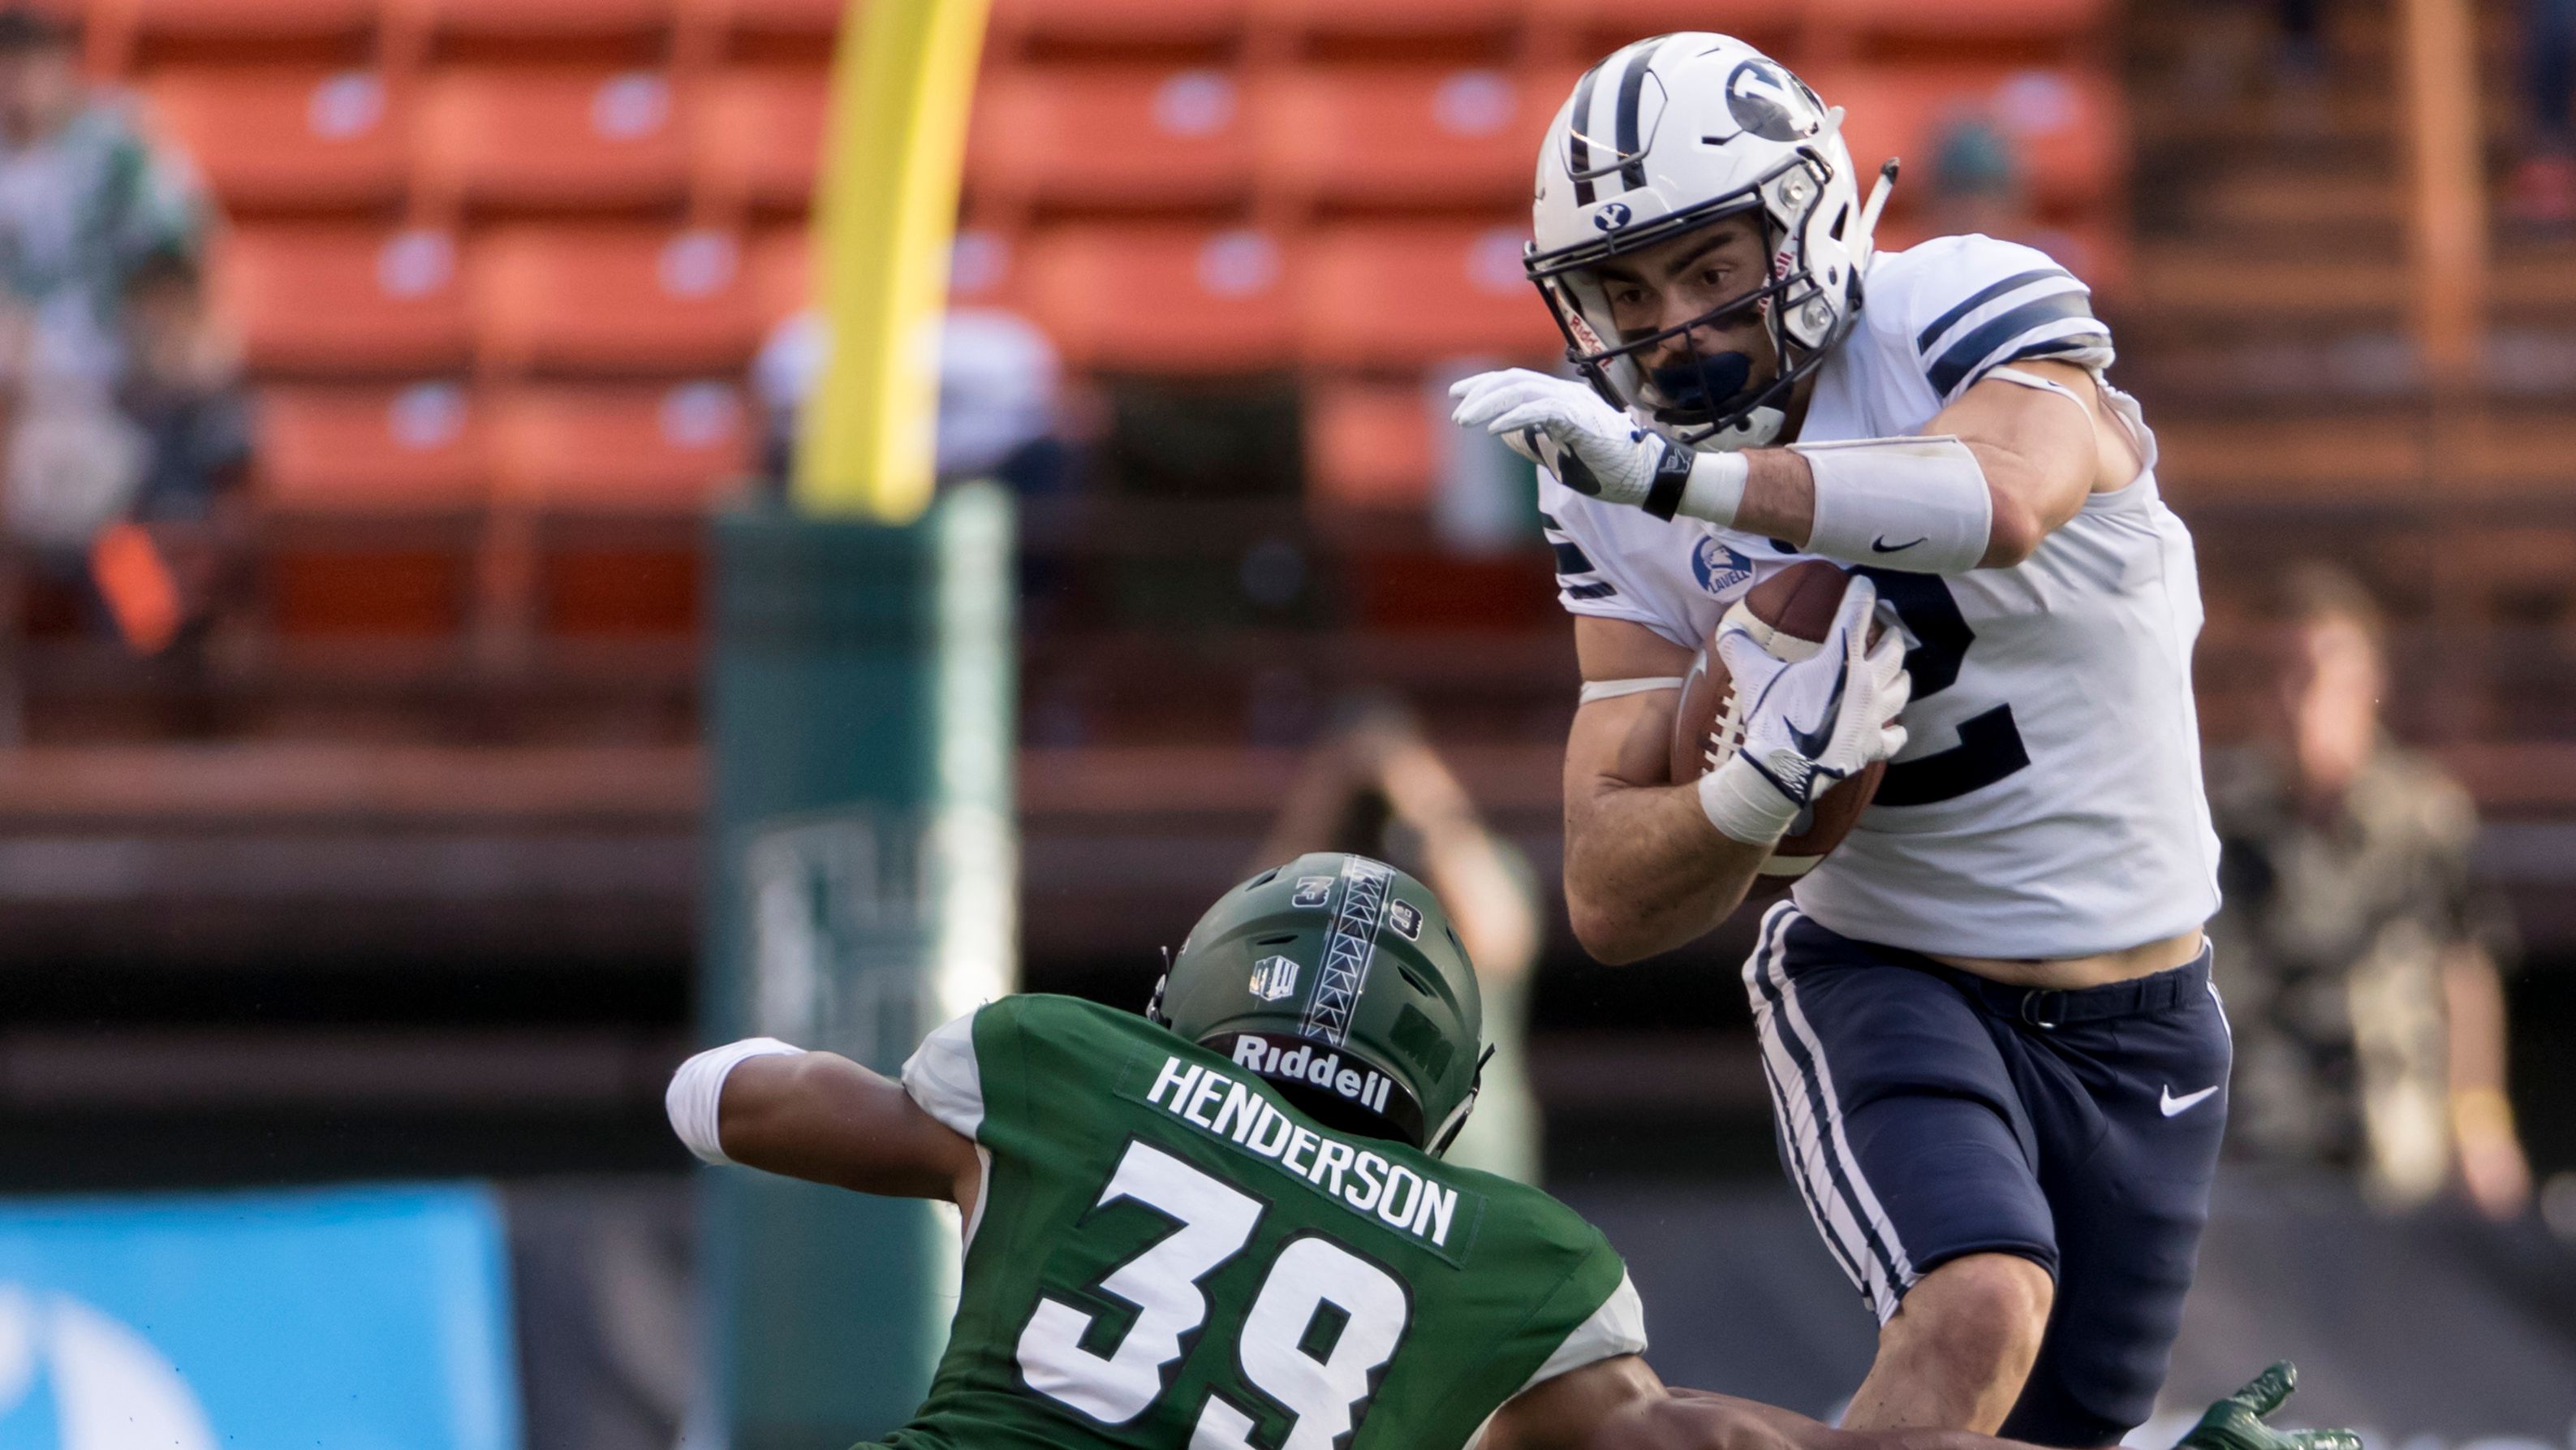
1565	428
2236	1422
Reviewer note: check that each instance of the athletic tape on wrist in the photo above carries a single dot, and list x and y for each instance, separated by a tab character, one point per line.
1744	805
1614	689
1715	490
698	1088
1916	504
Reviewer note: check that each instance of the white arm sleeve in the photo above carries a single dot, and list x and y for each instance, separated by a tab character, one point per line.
698	1087
1916	504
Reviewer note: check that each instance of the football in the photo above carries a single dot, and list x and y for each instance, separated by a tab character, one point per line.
1792	611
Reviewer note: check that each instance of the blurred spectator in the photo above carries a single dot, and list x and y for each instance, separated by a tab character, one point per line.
2359	965
183	391
183	388
998	384
2543	189
84	201
1376	787
1976	183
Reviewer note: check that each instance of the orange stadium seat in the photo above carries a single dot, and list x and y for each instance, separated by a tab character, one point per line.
1163	299
1110	137
330	450
1117	23
588	299
2063	124
782	275
1405	139
285	140
1369	445
266	29
786	28
1381	20
620	449
373	499
1880	24
548	141
1403	294
756	140
505	29
344	300
1600	26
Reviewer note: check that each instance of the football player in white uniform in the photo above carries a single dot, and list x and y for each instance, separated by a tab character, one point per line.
1997	1069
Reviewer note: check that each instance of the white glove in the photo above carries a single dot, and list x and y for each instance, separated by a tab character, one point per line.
1807	725
1564	426
1595	449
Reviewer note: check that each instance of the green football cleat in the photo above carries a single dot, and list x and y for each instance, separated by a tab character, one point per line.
2236	1423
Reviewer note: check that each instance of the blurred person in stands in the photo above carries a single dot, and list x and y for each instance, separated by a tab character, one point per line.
183	391
2362	971
87	210
84	201
2542	191
1376	787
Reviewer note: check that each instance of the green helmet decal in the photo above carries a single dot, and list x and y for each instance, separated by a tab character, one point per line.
1339	978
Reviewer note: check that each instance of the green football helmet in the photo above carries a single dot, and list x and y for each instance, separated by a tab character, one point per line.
1340	980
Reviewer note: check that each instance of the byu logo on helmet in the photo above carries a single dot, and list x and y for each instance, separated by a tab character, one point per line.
1612	217
1768	101
1717	567
1274	978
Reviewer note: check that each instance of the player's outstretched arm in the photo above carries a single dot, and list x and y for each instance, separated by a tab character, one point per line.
1645	870
820	1117
1980	486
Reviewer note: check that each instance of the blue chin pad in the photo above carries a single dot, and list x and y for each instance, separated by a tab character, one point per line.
1704	384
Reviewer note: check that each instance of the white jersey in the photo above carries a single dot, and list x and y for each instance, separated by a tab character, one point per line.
2048	801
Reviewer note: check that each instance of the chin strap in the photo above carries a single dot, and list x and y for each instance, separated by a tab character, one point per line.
1449	1130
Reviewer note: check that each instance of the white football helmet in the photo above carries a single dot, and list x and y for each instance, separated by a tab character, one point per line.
1668	135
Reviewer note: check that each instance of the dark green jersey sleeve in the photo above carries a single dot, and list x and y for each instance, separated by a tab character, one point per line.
1169	1256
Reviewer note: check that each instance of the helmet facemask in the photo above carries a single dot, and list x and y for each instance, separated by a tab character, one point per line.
1719	400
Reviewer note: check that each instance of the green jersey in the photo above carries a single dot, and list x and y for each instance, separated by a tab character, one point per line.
1168	1256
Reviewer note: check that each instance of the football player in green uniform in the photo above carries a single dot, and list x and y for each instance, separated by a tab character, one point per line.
1225	1224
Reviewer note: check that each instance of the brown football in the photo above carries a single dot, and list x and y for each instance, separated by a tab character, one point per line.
1797	607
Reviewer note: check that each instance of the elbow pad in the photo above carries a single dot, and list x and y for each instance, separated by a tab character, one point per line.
1915	504
698	1087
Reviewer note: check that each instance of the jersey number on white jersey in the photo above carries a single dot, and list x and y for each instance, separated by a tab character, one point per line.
1326	1392
1989	745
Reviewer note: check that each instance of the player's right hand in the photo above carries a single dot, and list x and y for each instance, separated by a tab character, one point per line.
1828	716
1565	428
1807	724
2236	1422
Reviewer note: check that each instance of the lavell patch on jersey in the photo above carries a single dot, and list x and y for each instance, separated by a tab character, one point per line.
1359	1179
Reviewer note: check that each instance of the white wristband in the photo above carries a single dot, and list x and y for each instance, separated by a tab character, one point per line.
698	1087
1716	487
1744	806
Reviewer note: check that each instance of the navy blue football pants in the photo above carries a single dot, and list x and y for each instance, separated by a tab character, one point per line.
1925	1114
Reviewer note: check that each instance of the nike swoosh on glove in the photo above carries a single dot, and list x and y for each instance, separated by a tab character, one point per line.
1565	428
1809	724
2236	1423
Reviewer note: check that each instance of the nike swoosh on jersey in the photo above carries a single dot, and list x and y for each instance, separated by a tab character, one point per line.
1880	545
2175	1106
